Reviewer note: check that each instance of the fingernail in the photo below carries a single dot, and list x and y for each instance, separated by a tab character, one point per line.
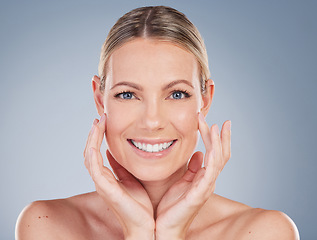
95	122
229	125
217	129
201	116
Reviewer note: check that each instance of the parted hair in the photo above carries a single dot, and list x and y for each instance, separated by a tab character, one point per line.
160	23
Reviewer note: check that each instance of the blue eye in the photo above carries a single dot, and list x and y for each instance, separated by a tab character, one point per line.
125	95
177	95
180	95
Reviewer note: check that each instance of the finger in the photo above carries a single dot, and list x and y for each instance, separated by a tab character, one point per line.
86	155
121	173
89	136
98	133
101	129
204	131
226	140
101	125
95	167
193	166
102	176
213	159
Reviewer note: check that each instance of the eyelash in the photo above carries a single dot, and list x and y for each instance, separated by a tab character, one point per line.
120	94
186	93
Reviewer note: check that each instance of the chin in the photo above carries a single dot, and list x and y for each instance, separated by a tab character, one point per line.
157	173
151	176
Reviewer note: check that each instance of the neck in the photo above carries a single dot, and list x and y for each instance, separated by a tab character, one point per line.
157	189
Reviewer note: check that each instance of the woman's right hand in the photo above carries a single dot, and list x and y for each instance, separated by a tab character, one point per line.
125	195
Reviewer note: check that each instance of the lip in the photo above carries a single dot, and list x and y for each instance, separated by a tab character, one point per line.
152	155
151	141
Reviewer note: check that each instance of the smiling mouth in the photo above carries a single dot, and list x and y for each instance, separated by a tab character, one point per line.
146	147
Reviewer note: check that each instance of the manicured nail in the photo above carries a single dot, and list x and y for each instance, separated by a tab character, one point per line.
201	116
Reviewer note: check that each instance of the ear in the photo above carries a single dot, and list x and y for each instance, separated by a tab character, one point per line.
207	97
98	95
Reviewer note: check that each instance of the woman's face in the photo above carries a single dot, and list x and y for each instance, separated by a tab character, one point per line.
152	97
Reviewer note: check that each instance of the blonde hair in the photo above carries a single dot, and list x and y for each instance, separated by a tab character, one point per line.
155	22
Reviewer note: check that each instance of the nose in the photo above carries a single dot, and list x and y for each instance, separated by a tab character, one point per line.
153	116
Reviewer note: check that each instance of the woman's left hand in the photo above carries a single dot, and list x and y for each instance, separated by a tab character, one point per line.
184	199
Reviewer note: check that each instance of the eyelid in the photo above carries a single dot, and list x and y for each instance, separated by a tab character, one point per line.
186	93
117	95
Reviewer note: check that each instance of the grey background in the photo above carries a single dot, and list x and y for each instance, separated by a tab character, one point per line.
263	61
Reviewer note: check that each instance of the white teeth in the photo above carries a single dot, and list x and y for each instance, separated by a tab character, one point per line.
160	146
155	148
152	148
149	148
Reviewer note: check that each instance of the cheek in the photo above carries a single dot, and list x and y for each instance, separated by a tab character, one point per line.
114	121
118	115
117	122
186	123
185	118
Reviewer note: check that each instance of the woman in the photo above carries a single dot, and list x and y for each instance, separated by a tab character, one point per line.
152	94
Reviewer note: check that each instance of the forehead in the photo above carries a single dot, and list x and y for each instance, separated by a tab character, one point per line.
152	59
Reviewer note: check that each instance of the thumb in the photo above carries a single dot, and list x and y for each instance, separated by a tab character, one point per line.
119	171
193	166
196	162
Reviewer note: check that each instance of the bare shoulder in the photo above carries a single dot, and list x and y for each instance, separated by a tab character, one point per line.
259	224
223	218
51	219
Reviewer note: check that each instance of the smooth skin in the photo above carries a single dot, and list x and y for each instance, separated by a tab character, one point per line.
152	95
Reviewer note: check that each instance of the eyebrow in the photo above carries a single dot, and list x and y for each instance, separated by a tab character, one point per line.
130	84
171	84
138	87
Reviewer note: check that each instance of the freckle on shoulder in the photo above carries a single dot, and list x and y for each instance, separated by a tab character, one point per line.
40	218
268	224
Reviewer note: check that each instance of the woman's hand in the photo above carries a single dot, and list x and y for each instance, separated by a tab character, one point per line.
184	199
125	196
